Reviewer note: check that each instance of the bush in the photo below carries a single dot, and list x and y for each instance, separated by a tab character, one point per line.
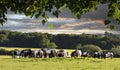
5	52
78	46
116	51
52	45
90	49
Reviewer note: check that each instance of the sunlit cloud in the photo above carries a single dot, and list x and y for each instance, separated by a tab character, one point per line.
67	23
17	16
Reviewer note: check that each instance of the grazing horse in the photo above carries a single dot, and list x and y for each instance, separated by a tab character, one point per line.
26	53
45	55
62	53
109	55
76	53
85	54
34	53
98	55
52	53
95	54
15	53
103	55
40	54
49	53
22	53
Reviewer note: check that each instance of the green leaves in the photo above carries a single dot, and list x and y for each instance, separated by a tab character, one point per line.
114	12
37	15
112	27
78	46
63	8
43	21
106	22
52	45
38	8
2	21
78	15
56	13
50	26
3	18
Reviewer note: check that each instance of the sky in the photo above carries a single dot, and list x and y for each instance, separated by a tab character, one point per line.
67	23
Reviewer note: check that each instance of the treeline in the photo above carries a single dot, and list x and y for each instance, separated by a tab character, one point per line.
60	41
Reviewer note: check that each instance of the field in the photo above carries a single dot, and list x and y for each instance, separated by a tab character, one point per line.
8	63
11	48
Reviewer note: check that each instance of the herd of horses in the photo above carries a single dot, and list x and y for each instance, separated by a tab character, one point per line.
103	55
50	53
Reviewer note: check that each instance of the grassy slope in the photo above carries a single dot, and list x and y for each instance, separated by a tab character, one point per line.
7	63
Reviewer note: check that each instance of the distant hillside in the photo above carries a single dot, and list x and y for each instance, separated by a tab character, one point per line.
63	41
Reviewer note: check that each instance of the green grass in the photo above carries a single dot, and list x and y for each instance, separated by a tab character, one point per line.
8	63
11	48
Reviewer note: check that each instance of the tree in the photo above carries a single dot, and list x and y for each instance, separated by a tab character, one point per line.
91	48
3	38
116	51
52	45
40	7
44	43
78	46
103	43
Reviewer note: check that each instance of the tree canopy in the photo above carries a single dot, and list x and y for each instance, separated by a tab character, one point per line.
91	48
60	41
39	8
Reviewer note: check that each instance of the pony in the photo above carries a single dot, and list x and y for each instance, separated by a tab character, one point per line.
39	54
26	53
85	54
49	53
97	55
62	53
76	53
15	53
109	55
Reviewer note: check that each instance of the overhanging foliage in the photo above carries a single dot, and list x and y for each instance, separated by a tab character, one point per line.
39	8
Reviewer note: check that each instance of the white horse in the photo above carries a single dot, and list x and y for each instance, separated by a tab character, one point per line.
79	52
65	53
76	53
85	54
40	54
109	55
34	52
51	53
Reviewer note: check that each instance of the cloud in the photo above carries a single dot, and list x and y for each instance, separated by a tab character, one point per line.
91	22
100	13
